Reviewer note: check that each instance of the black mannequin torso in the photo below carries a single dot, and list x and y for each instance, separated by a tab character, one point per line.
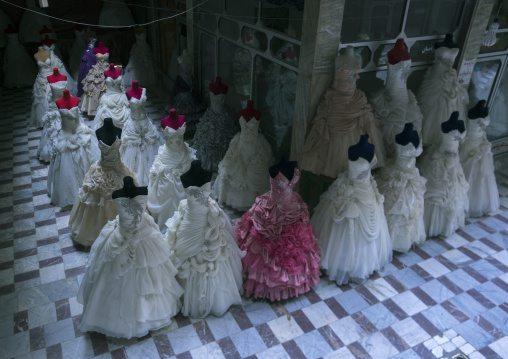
363	149
453	123
196	175
447	42
479	111
286	167
108	132
407	135
129	189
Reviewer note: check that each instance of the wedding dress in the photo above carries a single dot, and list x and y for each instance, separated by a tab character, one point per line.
94	84
351	226
94	206
19	69
282	259
403	189
88	60
243	172
140	140
75	149
165	190
205	251
57	62
51	122
113	104
140	66
32	21
129	286
446	200
440	94
40	93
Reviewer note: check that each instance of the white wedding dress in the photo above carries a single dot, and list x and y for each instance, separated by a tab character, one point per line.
94	206
205	251
395	105
113	104
129	286
57	62
94	84
78	46
19	69
440	94
165	190
31	23
478	165
446	200
140	66
351	227
50	121
140	140
403	189
243	172
41	93
75	150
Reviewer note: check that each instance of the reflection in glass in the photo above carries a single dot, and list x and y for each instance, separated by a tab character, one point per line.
366	20
274	96
285	51
244	10
427	17
500	12
482	80
255	39
285	20
498	127
500	45
207	44
423	51
229	29
363	52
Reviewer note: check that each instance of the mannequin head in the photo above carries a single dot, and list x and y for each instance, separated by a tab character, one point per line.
408	135
218	87
249	112
112	72
173	120
447	42
285	166
398	53
363	149
479	111
56	76
196	175
453	124
101	49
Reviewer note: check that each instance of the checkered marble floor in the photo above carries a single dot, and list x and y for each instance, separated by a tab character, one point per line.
443	298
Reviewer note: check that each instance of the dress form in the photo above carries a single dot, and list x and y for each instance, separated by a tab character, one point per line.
101	49
56	76
46	31
249	112
113	72
173	120
196	176
87	61
362	149
341	118
67	101
56	61
41	54
94	83
141	65
108	132
41	87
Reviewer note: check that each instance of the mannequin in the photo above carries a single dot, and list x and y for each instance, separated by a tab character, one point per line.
101	49
56	61
41	88
408	135
56	77
249	112
94	83
31	22
453	123
447	42
129	189
46	41
135	91
88	60
46	31
18	67
285	166
218	87
41	54
141	65
205	249
362	149
112	72
173	120
67	101
108	133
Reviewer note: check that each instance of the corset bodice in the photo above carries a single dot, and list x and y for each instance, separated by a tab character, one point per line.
174	138
110	155
57	89
217	102
137	107
445	57
197	198
282	188
130	212
359	170
114	85
70	118
45	68
405	156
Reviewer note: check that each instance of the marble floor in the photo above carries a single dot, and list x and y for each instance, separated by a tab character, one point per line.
444	298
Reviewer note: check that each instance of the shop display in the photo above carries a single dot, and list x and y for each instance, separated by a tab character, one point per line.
243	172
51	122
31	22
88	60
165	190
204	249
140	139
282	259
78	46
440	93
129	286
18	66
395	105
185	97
478	163
341	118
215	129
113	103
403	189
141	65
47	35
75	149
446	198
350	221
94	83
115	14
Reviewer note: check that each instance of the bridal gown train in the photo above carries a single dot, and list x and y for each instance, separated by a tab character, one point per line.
129	286
94	206
57	62
351	226
205	251
113	104
140	66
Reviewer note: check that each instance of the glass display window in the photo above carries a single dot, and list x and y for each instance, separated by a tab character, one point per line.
287	21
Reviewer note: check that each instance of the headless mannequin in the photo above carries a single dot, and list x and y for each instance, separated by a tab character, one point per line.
56	77
47	41
112	72
453	124
135	91
447	42
398	53
195	176
67	101
479	111
218	87
407	135
173	120
285	166
249	112
108	132
41	54
129	189
363	149
101	49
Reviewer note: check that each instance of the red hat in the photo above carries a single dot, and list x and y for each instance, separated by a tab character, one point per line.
398	53
218	87
11	29
45	30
